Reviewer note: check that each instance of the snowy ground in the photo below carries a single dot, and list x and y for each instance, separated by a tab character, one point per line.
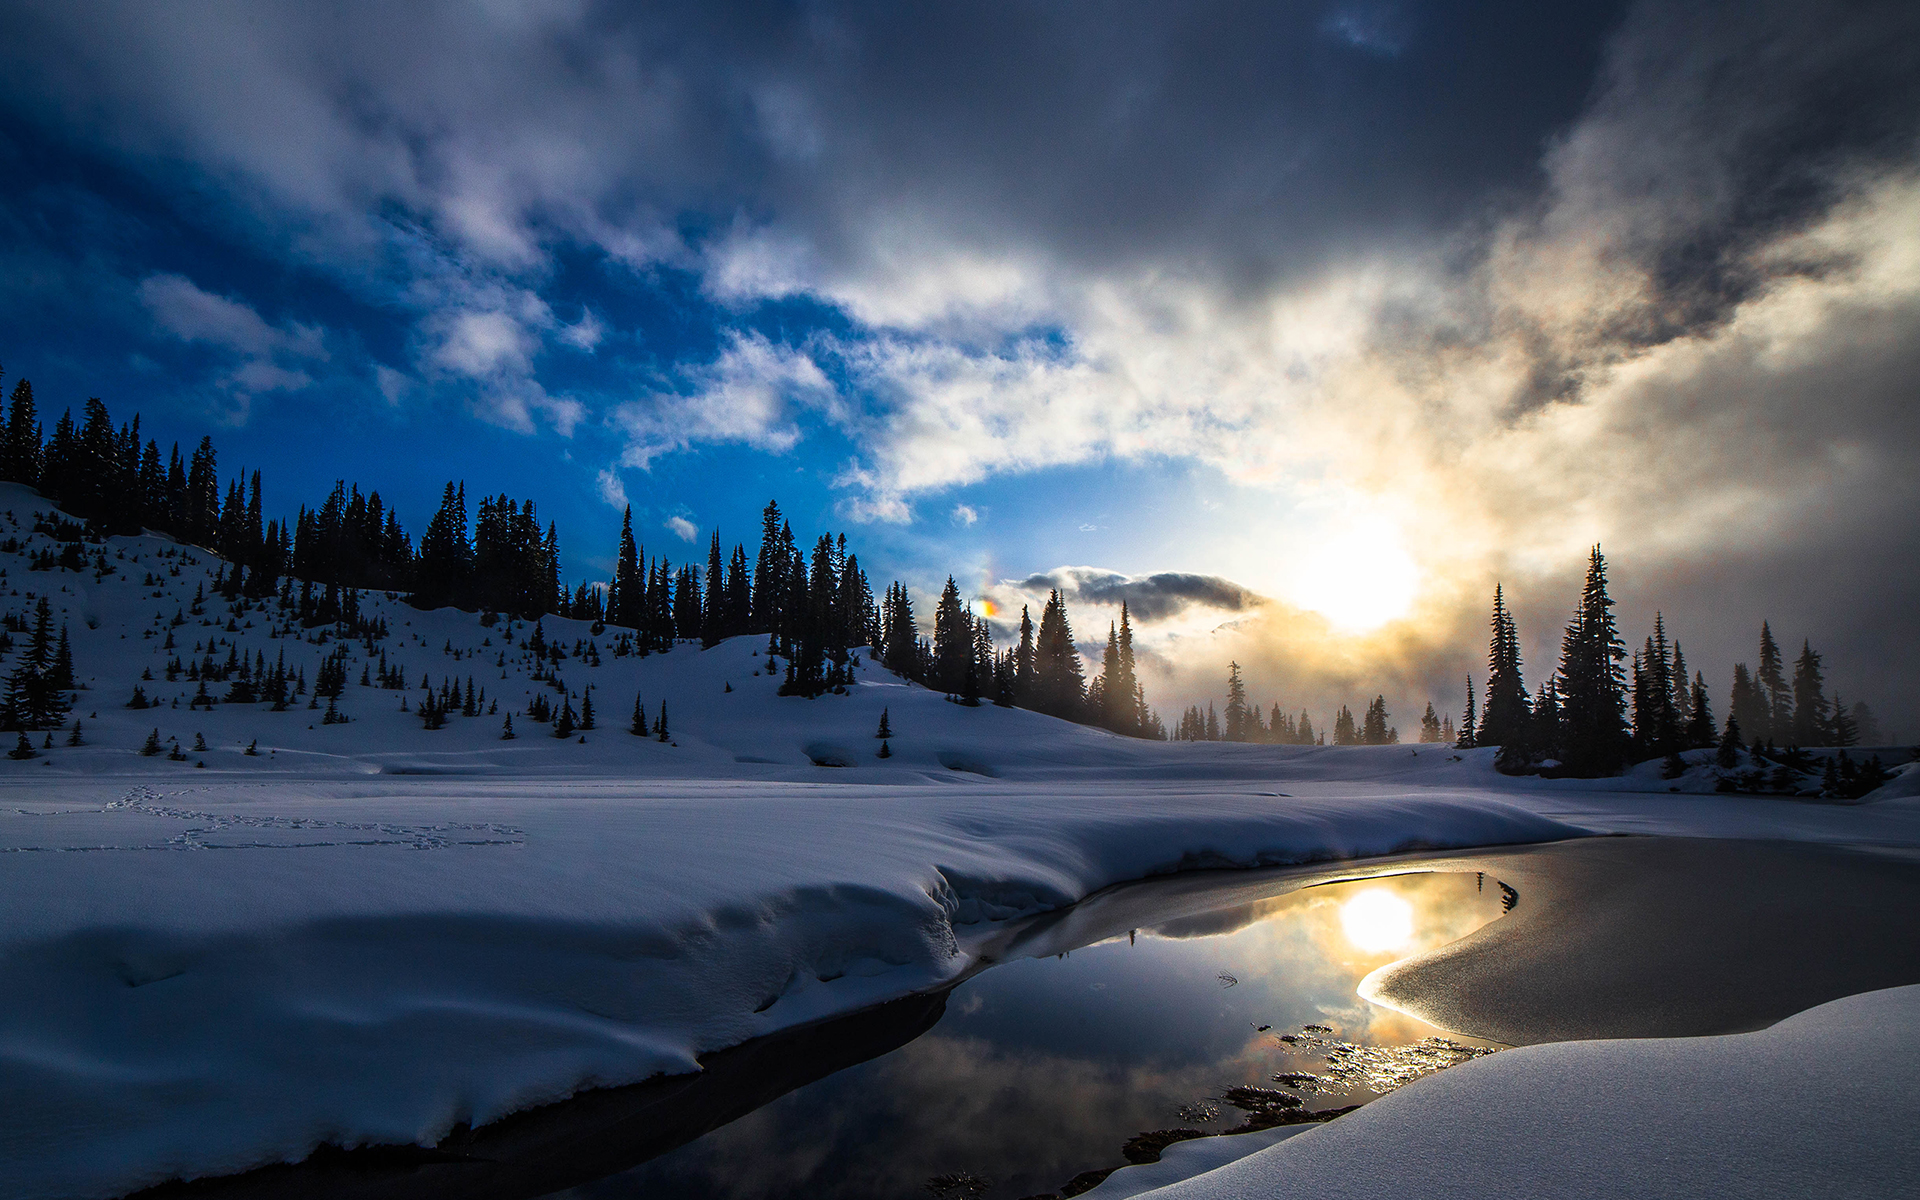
370	931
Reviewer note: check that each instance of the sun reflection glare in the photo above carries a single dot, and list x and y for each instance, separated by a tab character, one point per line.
1377	920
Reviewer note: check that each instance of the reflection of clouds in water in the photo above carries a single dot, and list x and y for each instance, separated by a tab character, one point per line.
1296	946
943	1104
1047	1066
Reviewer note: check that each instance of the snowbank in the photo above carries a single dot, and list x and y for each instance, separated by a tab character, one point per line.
200	980
1821	1104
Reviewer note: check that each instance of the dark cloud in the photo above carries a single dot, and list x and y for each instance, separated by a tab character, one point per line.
1148	598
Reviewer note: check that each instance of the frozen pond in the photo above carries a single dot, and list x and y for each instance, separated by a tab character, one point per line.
1041	1069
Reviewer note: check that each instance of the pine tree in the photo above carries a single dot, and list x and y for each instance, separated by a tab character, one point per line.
639	726
1236	715
1023	660
1429	725
886	730
660	723
1772	680
1506	714
1374	728
586	709
1592	686
1464	740
952	640
151	746
1811	725
1728	755
506	729
1344	732
1746	701
1059	687
20	443
1700	726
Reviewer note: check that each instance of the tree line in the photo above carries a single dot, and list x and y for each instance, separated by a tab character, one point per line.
1604	707
815	605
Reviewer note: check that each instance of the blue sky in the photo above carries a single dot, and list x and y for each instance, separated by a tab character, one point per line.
1355	306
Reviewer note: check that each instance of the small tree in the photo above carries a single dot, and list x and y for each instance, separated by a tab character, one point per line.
152	745
563	725
1728	755
506	730
74	738
639	727
660	723
23	749
586	709
886	751
886	730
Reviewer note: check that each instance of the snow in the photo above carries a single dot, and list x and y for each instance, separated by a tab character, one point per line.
1184	1160
370	932
1785	1111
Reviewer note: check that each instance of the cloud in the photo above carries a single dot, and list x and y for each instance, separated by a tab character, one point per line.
682	528
751	394
612	490
181	308
1513	279
965	515
1149	598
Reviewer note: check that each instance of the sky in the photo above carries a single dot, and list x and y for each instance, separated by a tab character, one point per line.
1296	325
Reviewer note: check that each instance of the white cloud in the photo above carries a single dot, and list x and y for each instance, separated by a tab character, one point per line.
965	514
682	528
183	309
751	394
612	490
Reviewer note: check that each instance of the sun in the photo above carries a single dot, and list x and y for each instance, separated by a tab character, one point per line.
1358	579
1377	921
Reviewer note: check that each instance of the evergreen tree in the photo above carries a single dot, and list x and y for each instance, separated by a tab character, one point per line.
1023	660
886	730
1506	714
1236	722
713	615
1728	755
1811	724
446	555
1700	726
20	443
1468	722
1778	723
1126	690
1059	685
1344	731
1592	687
952	640
1845	730
1747	702
1374	728
769	573
639	726
625	592
1429	725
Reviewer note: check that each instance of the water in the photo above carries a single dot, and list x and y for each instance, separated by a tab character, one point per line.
1041	1069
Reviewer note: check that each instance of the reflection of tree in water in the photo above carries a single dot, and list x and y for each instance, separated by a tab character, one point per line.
1508	898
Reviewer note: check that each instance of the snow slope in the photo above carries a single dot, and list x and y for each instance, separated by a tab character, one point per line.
1821	1104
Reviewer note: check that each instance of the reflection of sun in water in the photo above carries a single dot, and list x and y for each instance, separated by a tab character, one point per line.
1358	578
1377	920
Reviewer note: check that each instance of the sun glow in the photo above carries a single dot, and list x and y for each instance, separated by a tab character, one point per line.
1358	579
1377	920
